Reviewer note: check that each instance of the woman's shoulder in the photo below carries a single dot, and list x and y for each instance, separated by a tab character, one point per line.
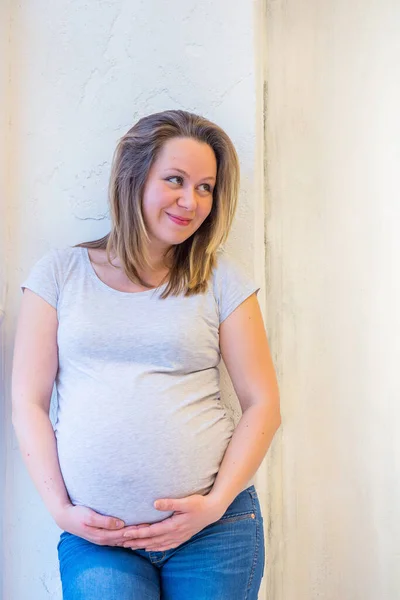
57	262
231	284
66	253
48	274
226	266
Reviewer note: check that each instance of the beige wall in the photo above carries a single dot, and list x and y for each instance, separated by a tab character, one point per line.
333	155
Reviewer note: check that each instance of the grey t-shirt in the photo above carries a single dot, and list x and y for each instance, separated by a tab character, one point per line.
139	413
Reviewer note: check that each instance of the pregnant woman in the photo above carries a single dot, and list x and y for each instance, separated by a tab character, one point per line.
144	471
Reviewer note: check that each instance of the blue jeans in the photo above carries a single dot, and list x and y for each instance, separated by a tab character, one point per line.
223	561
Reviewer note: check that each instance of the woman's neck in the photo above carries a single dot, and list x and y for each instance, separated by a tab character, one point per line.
159	265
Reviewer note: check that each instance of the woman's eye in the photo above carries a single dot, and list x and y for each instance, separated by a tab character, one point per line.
175	177
180	182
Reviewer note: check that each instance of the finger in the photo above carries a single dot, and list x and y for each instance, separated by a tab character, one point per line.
129	529
114	537
136	544
108	537
159	548
178	504
152	530
103	522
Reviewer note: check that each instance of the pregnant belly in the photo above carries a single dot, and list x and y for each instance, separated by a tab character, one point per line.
121	469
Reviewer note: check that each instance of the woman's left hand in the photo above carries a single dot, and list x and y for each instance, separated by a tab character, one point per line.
191	515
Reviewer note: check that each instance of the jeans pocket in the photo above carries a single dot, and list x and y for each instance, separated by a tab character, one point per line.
232	517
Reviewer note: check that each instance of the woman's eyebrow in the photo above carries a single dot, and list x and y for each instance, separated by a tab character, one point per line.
184	173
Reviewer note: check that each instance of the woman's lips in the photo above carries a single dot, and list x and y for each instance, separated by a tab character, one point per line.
179	220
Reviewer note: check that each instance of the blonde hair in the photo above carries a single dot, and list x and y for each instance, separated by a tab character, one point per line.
193	260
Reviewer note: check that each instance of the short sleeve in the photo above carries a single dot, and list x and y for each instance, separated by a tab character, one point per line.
232	285
43	279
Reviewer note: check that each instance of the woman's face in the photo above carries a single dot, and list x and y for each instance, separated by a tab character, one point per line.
178	193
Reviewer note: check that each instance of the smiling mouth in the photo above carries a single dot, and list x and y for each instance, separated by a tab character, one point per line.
179	220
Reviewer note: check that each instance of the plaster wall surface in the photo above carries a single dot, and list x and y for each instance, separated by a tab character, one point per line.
333	254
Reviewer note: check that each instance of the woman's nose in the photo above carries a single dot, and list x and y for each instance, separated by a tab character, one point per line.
188	199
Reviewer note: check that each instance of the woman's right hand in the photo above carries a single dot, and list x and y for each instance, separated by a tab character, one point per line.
90	525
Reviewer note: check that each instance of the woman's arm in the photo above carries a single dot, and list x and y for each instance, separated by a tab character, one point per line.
245	351
35	366
34	369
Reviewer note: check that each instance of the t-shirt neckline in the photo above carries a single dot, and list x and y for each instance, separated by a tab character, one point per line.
104	286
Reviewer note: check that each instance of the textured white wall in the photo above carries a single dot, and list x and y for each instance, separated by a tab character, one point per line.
82	73
4	128
333	147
